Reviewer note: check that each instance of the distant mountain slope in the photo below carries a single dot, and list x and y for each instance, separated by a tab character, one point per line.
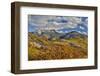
54	34
49	33
73	34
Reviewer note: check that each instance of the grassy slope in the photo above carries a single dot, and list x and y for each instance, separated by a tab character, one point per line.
56	49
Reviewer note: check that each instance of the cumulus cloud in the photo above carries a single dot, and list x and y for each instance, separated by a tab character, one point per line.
82	28
54	22
85	33
86	22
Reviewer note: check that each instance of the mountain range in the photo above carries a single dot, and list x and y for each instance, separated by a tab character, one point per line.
54	34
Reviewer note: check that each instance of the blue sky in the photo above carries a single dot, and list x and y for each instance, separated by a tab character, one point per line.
62	24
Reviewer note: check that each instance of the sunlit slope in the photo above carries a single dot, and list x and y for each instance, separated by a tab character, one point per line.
57	47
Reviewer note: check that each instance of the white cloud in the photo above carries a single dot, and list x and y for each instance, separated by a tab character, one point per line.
84	33
81	27
54	22
60	31
85	22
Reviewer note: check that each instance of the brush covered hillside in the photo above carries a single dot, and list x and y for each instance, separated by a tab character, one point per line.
48	45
